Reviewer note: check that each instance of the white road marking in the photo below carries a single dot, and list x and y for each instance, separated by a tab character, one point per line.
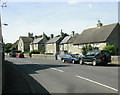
97	83
57	69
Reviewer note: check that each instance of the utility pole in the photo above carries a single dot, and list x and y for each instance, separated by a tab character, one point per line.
1	51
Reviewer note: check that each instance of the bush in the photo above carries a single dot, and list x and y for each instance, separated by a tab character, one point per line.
111	49
42	52
35	52
87	48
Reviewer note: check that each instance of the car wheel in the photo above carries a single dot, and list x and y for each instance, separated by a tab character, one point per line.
73	61
94	63
81	62
63	61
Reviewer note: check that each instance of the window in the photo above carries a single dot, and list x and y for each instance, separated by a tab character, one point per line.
96	44
80	46
88	53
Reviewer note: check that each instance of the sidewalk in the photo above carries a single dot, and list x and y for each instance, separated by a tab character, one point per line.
13	82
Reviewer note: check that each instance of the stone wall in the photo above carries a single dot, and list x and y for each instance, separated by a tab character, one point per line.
115	59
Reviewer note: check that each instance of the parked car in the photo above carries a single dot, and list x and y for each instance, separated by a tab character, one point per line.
70	58
20	55
96	57
12	54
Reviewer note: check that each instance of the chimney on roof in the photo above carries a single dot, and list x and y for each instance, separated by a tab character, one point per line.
51	36
43	35
30	34
35	36
62	34
73	33
99	24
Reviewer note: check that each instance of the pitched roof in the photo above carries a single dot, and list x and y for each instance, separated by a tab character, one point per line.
65	40
95	34
37	40
72	39
53	40
26	39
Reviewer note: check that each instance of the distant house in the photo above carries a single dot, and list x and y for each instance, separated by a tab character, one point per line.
15	44
100	36
39	43
66	44
24	42
73	49
52	46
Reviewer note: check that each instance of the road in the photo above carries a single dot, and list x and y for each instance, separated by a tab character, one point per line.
57	77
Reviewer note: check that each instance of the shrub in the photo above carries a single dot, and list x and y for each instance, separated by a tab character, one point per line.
35	52
42	52
111	49
87	48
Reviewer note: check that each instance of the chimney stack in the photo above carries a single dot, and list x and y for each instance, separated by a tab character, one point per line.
62	34
43	35
73	33
99	24
51	36
30	34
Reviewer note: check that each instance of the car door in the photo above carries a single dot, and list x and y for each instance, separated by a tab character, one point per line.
92	56
86	58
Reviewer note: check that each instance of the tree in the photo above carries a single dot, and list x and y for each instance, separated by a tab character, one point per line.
87	48
7	47
111	49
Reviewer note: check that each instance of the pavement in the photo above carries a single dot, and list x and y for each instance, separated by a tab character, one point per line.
13	82
51	76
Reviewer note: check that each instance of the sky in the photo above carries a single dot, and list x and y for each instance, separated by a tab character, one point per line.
52	17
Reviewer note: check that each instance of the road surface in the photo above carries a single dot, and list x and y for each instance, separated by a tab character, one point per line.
57	77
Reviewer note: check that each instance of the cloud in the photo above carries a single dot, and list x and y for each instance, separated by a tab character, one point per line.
90	5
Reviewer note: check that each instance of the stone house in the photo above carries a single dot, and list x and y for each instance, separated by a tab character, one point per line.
100	36
38	43
24	42
15	44
66	44
52	46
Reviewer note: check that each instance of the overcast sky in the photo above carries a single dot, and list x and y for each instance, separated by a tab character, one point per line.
51	17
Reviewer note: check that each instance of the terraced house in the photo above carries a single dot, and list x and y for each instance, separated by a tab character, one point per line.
100	36
52	46
39	43
66	44
24	42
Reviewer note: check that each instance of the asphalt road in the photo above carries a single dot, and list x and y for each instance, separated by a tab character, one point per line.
57	77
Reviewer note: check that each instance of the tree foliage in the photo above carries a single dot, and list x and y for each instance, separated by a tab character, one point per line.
87	48
111	49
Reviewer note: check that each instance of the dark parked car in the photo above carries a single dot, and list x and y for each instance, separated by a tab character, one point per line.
12	54
70	58
96	57
20	55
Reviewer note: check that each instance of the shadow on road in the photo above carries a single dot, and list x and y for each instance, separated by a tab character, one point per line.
15	75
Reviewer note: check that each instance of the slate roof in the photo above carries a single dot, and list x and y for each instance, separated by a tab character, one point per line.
26	39
53	40
65	40
95	34
37	40
72	39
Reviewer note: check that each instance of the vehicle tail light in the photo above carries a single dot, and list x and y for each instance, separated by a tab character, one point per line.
100	55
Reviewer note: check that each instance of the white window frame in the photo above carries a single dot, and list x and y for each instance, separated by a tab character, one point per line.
96	44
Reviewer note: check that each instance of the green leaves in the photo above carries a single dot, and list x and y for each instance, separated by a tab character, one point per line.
111	49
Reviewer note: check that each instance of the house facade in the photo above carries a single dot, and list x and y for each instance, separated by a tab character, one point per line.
100	36
24	43
52	46
66	44
39	43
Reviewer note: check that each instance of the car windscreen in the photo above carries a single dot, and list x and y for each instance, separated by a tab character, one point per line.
75	56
